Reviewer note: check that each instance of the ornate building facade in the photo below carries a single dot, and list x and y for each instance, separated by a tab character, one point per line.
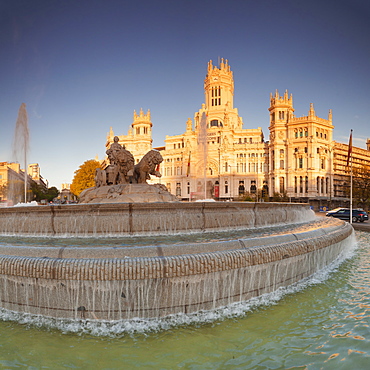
217	158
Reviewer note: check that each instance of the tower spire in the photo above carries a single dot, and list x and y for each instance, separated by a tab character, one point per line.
311	112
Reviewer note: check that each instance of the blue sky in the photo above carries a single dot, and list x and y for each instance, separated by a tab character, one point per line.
83	66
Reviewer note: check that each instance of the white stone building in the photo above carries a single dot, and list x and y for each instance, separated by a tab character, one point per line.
218	158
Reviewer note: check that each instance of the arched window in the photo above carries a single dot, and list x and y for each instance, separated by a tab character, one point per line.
241	188
265	190
253	187
178	189
215	123
322	185
282	185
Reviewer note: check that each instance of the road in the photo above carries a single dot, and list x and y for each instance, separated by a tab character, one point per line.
362	226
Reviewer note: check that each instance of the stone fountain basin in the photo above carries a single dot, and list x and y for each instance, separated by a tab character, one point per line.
151	281
112	219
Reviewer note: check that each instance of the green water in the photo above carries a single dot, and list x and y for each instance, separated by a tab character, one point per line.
323	326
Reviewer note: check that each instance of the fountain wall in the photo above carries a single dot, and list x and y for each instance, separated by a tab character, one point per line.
147	218
112	283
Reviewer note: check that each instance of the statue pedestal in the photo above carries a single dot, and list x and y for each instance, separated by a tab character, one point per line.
127	193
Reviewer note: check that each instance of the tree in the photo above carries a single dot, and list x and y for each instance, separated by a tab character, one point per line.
279	197
84	176
3	191
361	186
39	193
52	193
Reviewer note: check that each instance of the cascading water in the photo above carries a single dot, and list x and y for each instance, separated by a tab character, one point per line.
21	147
111	282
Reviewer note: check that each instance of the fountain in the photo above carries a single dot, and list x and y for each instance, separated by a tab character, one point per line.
20	147
152	277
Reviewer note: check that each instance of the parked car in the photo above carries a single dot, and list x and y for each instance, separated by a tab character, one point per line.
343	214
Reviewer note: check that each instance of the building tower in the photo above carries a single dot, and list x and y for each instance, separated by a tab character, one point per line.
219	97
142	128
139	138
300	151
281	112
219	87
141	135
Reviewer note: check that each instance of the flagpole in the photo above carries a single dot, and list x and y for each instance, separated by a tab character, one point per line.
350	157
350	196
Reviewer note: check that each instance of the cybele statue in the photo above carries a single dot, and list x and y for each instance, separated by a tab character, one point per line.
123	181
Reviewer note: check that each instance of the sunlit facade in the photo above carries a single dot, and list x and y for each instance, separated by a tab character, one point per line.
218	158
12	183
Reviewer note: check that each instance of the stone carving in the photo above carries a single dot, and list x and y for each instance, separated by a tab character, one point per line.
122	181
125	166
121	165
147	166
100	177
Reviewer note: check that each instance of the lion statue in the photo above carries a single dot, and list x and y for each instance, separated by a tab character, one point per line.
100	177
147	166
125	165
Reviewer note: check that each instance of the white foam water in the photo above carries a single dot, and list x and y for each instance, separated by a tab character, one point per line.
142	326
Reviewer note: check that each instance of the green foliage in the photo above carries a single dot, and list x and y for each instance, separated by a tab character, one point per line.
278	197
247	197
39	193
361	186
3	191
84	176
52	193
259	196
